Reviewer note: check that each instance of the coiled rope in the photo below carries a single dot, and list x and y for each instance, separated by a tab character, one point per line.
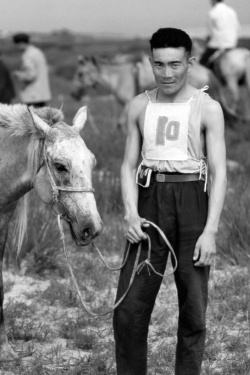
136	270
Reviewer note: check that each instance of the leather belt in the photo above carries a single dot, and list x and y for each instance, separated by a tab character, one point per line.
163	177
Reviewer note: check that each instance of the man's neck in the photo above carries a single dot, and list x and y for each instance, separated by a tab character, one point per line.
181	96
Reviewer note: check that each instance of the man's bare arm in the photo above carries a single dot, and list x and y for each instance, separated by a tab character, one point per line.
212	118
128	173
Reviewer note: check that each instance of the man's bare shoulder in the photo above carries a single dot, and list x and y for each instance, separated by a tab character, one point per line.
210	104
138	104
212	113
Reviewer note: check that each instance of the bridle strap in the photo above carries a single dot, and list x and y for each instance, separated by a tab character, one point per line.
71	188
55	188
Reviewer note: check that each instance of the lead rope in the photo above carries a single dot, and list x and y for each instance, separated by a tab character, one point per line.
137	266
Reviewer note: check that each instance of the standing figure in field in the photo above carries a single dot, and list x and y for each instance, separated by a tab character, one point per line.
7	92
179	131
33	77
223	30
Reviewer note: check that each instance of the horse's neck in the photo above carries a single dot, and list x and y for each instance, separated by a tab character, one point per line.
110	77
15	178
121	81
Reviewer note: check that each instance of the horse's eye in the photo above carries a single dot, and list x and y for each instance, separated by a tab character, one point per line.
60	167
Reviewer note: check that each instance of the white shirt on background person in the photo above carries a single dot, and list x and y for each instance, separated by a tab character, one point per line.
223	27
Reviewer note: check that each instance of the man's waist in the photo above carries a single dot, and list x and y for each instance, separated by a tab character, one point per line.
176	177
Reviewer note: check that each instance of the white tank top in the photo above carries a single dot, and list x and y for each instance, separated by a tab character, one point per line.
166	131
171	139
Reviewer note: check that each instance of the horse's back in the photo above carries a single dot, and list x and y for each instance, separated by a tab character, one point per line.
122	78
145	74
199	76
234	62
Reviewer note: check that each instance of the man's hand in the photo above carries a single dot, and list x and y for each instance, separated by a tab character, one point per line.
134	232
205	250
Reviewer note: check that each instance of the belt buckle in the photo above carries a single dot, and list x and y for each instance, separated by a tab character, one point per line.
160	177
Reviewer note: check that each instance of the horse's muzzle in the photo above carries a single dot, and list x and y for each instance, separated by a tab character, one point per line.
92	231
87	233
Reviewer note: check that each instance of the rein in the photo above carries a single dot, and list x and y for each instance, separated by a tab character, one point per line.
136	270
137	266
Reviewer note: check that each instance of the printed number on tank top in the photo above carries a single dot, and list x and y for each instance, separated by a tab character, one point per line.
169	130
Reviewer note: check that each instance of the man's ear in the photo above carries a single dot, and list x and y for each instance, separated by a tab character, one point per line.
191	62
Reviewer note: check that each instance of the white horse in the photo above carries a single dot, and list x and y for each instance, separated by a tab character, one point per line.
231	67
117	79
38	150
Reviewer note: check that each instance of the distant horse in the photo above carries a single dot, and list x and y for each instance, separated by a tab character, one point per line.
126	80
118	79
231	67
37	149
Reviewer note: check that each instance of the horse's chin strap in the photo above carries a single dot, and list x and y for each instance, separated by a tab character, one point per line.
136	270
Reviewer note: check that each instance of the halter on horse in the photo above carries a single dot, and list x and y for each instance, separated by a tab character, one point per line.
36	148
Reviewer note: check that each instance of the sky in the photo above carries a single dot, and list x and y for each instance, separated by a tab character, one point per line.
133	18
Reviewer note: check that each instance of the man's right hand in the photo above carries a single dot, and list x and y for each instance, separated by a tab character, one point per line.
134	232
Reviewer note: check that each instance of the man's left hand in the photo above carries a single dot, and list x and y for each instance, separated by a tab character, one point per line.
205	250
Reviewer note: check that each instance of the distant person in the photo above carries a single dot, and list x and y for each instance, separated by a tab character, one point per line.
33	75
223	30
7	92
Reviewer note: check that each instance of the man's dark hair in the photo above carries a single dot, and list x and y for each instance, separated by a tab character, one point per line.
21	38
170	37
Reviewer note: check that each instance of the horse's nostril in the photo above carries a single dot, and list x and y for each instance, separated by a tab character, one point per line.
87	233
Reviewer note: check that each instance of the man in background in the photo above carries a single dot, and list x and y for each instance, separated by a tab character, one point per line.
223	30
7	92
33	75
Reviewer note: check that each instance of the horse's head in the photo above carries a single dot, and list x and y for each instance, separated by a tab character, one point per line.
67	163
86	76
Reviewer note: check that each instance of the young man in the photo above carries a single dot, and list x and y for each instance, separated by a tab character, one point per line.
33	76
180	132
223	30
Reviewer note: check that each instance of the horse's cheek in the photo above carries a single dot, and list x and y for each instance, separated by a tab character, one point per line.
43	187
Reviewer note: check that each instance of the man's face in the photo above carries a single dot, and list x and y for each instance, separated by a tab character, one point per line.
170	67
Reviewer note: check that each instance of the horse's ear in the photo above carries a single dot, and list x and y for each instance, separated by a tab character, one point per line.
40	125
80	119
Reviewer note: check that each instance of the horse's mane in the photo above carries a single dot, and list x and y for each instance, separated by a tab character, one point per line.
17	118
18	121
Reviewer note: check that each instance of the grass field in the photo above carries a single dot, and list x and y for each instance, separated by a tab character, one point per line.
46	325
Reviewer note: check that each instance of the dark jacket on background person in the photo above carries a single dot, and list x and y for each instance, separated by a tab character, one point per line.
7	92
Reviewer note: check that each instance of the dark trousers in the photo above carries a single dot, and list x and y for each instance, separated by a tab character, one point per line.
206	55
180	210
